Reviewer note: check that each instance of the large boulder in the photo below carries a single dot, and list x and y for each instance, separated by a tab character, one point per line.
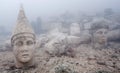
56	44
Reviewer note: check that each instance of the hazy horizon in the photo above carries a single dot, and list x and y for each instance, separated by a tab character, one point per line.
45	8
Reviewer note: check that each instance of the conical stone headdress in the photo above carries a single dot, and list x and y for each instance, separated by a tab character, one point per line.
23	28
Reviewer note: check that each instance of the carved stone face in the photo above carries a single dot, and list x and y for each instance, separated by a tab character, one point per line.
100	36
24	49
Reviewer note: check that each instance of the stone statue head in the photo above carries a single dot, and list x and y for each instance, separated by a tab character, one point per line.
23	42
99	33
24	49
100	36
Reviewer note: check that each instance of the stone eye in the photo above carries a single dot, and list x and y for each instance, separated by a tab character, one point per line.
100	32
29	42
19	43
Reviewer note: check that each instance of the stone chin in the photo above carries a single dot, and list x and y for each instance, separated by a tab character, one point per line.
102	41
24	58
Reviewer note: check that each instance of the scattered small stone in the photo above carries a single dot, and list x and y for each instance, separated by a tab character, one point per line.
101	62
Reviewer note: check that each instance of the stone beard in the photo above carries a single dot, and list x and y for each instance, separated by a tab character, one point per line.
100	38
24	49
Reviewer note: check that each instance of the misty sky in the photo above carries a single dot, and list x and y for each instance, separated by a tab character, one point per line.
44	8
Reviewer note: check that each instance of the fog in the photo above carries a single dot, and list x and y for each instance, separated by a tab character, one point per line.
67	36
48	8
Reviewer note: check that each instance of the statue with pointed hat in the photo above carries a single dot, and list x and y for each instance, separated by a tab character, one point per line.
23	42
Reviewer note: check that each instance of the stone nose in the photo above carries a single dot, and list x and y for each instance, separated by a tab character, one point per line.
24	49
